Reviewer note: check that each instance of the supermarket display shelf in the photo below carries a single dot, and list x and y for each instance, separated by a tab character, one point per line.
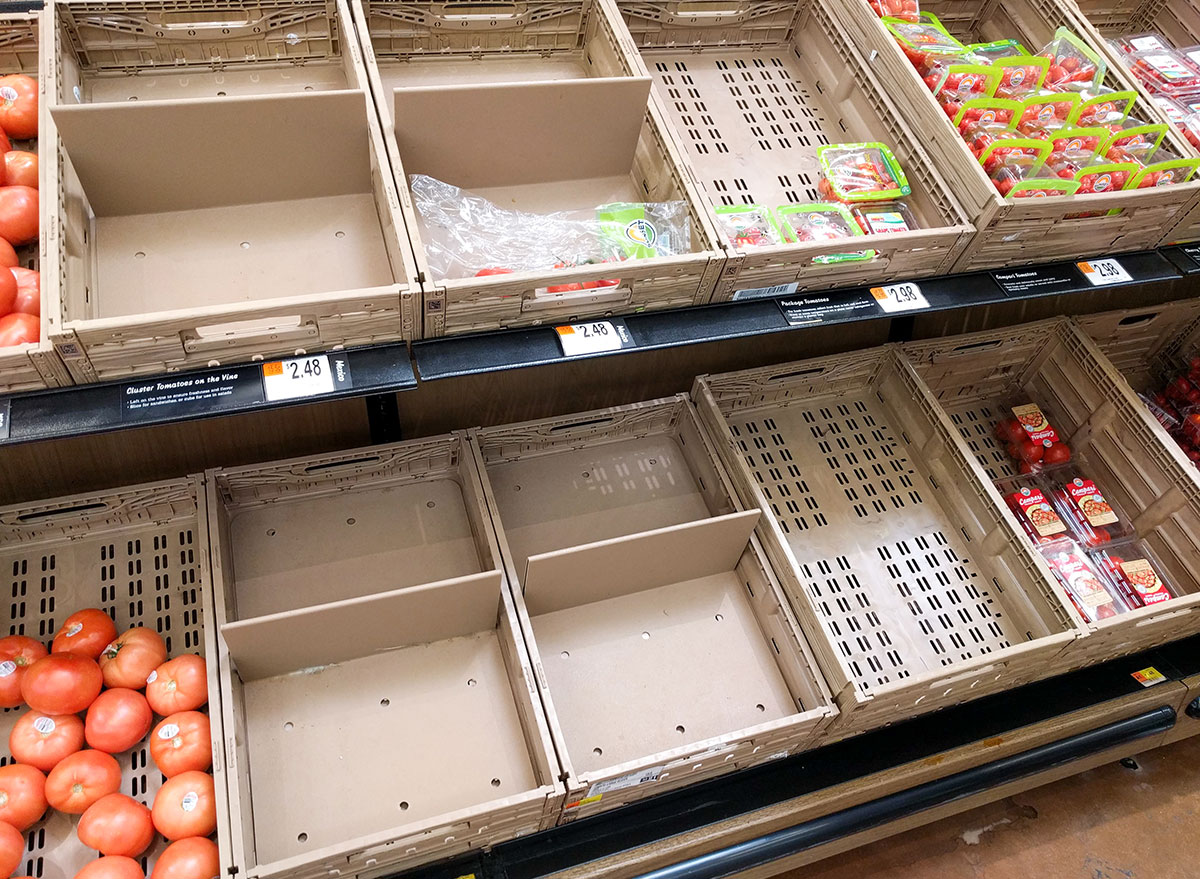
377	371
185	396
740	793
773	310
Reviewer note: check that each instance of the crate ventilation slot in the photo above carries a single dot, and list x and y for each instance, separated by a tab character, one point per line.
975	425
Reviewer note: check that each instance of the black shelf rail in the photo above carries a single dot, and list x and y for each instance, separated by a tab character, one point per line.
381	370
744	791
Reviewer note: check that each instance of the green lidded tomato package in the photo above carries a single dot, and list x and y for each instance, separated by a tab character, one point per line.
749	225
854	172
819	223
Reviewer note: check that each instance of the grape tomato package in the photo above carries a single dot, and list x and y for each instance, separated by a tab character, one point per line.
905	10
987	114
1103	106
1021	75
1134	572
861	172
1074	64
1166	72
1089	590
466	235
885	218
1147	42
925	39
749	225
820	223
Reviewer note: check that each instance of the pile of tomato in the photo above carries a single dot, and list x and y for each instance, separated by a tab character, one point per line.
20	287
95	694
1177	408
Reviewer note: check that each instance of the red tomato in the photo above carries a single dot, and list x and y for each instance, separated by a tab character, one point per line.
8	293
81	779
21	168
129	659
18	214
43	740
182	743
8	256
22	795
12	849
85	633
186	805
19	105
118	720
115	867
483	273
1030	451
193	858
62	683
1058	453
180	684
18	329
29	289
17	653
1010	430
117	825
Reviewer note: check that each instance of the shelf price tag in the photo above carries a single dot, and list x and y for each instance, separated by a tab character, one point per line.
1149	676
308	376
1101	272
900	297
593	337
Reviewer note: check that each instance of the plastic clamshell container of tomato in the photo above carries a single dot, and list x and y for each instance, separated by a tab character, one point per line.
884	218
1093	518
862	172
1166	72
999	49
1020	155
1021	75
820	222
992	114
1135	140
749	225
1034	512
1164	169
1136	573
924	39
1104	176
1046	111
1074	64
1092	593
952	80
1144	42
1091	139
1102	106
906	10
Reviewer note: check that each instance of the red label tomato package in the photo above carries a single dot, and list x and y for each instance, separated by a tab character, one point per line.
1036	514
1094	598
1135	575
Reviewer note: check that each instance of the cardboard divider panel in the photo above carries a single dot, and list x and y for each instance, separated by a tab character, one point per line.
1113	439
566	72
140	554
373	623
752	92
913	588
644	595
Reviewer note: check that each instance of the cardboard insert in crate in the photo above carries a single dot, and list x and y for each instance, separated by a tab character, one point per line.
537	108
666	652
260	218
1111	434
1017	230
1178	24
30	365
752	94
372	639
141	555
913	587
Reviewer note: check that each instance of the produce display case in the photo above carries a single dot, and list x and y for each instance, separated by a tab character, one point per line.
665	650
141	555
753	90
261	217
913	587
1113	439
567	126
1017	231
372	638
33	364
1104	20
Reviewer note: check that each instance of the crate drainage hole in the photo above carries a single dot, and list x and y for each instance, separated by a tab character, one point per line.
404	806
384	703
245	245
141	254
431	505
350	521
586	475
289	726
718	618
470	682
598	751
339	234
761	707
645	636
220	94
565	654
303	837
495	782
270	532
680	729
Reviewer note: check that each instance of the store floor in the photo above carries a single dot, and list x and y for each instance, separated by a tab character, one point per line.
1107	823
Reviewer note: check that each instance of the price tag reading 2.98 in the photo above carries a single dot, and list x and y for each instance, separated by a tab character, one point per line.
593	337
298	377
900	297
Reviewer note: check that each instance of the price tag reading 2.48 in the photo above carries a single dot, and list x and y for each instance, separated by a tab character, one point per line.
593	337
308	376
900	297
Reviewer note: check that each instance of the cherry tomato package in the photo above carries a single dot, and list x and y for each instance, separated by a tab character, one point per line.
924	40
906	10
1104	176
854	172
1071	140
1135	575
1046	112
998	49
749	225
952	80
1164	169
883	218
1147	42
1134	141
1029	438
1074	64
1092	518
1165	71
1035	514
1021	76
1022	156
819	223
986	114
1102	106
1094	597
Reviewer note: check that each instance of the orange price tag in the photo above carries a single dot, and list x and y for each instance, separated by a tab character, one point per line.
275	368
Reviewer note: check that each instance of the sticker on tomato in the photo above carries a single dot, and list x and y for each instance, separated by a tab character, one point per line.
44	725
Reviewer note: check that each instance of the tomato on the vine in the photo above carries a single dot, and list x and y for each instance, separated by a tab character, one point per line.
22	795
193	858
61	683
179	684
118	720
116	825
85	633
130	658
82	778
17	653
186	806
182	743
19	105
44	740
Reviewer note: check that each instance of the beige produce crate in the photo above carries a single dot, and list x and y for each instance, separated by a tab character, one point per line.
1178	21
33	365
665	651
372	640
141	555
536	107
222	188
914	588
1113	438
752	94
1012	232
